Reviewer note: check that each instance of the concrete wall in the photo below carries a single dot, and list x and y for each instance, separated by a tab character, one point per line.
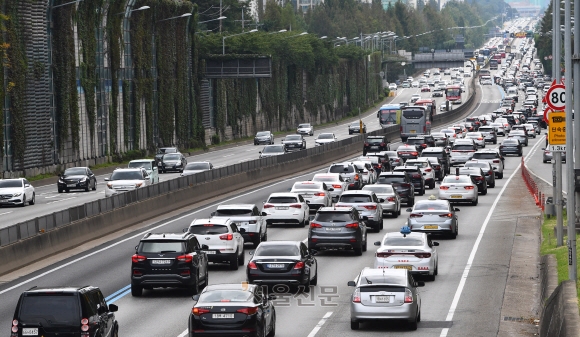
560	315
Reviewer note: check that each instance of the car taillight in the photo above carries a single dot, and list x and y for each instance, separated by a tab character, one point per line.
428	170
383	254
413	153
352	225
408	296
248	311
406	185
370	207
252	265
423	255
185	258
84	324
356	177
479	178
227	237
199	311
296	206
469	187
315	225
356	296
382	144
448	215
15	326
379	166
423	145
501	147
479	138
320	194
336	186
443	187
138	258
415	215
299	265
268	206
489	172
391	199
496	161
454	135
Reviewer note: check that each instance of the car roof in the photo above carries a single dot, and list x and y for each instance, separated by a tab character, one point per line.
243	286
353	192
60	289
128	169
234	206
284	194
141	160
215	220
165	236
280	242
334	209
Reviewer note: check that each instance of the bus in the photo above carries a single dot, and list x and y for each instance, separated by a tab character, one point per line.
493	64
484	72
484	51
389	114
497	57
430	104
453	93
415	121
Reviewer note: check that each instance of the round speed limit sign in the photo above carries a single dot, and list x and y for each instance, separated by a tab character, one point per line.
556	97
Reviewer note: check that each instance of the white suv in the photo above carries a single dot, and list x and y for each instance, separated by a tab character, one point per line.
286	208
223	238
248	217
149	166
126	179
425	166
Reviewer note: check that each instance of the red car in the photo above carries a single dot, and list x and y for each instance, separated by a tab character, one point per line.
425	88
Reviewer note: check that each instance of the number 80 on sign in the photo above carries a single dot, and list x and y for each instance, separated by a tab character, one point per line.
556	97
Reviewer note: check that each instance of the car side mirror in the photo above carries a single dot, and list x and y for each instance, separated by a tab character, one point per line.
242	230
409	210
184	230
204	247
420	284
435	243
26	185
260	152
377	243
543	148
351	284
331	189
107	179
136	247
113	308
263	214
382	200
456	209
195	297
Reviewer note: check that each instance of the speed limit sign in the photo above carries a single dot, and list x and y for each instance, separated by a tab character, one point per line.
556	97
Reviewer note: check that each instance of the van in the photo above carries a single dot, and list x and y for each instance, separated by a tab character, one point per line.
149	166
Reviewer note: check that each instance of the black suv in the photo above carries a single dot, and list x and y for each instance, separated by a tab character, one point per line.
384	164
438	152
419	142
163	150
339	228
417	177
168	260
66	311
375	144
402	184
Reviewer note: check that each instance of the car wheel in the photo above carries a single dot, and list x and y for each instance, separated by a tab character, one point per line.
474	203
60	190
257	241
411	202
399	211
33	200
23	201
350	132
354	325
484	192
234	265
500	175
136	291
519	154
194	290
431	277
435	273
413	325
88	187
364	246
314	281
95	186
358	250
241	259
492	185
422	192
495	142
265	237
432	185
206	278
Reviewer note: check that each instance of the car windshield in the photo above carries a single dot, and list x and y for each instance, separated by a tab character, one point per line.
208	229
332	217
355	198
341	169
326	136
167	150
273	149
226	296
510	142
403	241
463	147
456	180
172	157
432	154
382	280
126	175
75	171
430	206
135	164
262	134
10	183
302	126
197	166
50	309
161	246
374	140
233	211
293	138
306	186
277	250
383	189
282	200
391	179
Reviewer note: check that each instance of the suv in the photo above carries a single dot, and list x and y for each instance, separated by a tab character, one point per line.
64	310
339	228
223	238
349	173
149	166
462	151
401	182
169	260
162	151
247	217
494	158
375	144
488	133
367	204
438	152
416	177
126	179
419	143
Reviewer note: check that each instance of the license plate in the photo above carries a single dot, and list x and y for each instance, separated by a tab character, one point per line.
30	332
332	229
159	164
374	147
210	252
160	261
71	185
413	131
222	316
382	299
291	145
431	227
404	267
281	207
456	197
275	265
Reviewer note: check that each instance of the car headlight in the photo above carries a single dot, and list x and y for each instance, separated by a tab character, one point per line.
83	180
178	164
60	181
17	194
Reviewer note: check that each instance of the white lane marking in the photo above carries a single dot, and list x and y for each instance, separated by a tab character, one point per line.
459	290
183	334
54	202
320	324
5	213
50	271
229	155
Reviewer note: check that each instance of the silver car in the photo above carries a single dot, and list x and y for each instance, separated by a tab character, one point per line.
325	138
385	294
458	188
316	193
477	137
196	167
493	158
367	204
391	202
333	180
349	173
305	129
434	217
462	151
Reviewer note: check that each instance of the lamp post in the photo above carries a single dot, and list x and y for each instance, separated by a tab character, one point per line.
220	18
65	4
225	37
142	8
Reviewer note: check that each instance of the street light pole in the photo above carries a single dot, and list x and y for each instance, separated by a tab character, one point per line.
557	156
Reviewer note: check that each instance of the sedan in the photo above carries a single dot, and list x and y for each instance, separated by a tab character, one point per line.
391	202
305	129
172	162
286	208
477	176
334	180
547	156
441	139
434	217
487	169
316	194
17	191
264	137
294	142
283	262
408	250
273	150
458	188
425	88
126	179
477	137
232	309
519	135
76	178
511	146
407	152
196	167
367	204
354	127
325	138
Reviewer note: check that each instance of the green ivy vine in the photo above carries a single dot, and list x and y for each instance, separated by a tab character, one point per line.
4	62
126	113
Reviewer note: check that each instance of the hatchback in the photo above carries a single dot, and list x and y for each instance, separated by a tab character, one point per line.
286	208
367	204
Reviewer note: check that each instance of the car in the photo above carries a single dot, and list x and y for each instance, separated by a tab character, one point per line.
294	142
354	127
77	178
511	146
367	204
316	193
264	137
415	84
286	208
391	202
325	138
406	152
441	139
438	166
56	311
477	138
425	88
376	144
486	81
499	129
224	241
403	104
232	310
382	163
425	166
443	106
126	179
169	260
392	87
530	129
519	135
305	129
394	158
333	180
415	98
547	156
371	169
247	217
494	158
419	142
401	182
435	217
475	121
460	129
150	167
458	188
462	151
488	133
477	176
162	151
437	93
396	291
196	167
451	134
172	162
273	150
338	228
416	177
349	173
486	168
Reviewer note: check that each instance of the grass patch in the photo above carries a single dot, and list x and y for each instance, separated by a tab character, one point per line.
41	176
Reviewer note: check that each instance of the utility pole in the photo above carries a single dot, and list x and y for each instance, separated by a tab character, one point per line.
556	42
576	97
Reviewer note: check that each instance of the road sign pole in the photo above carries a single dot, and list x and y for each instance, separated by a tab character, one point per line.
558	199
576	101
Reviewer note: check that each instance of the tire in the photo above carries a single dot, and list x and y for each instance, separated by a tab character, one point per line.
432	185
257	241
314	281
354	325
454	234
492	185
431	277
95	186
136	291
494	142
60	190
33	200
436	273
206	278
399	211
358	251
194	290
474	203
410	203
500	175
422	192
241	259
23	201
484	192
519	154
364	246
88	187
413	325
234	265
273	331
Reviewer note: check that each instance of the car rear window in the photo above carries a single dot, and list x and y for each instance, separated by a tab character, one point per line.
420	164
333	217
282	200
456	180
355	198
484	155
297	137
197	166
386	189
438	206
401	241
233	211
277	250
341	169
226	296
474	164
50	310
161	246
306	186
432	154
208	229
463	147
390	179
374	140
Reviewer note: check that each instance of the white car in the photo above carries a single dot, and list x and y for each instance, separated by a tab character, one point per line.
149	166
316	193
224	240
16	191
285	208
333	180
477	137
531	130
415	98
458	188
425	166
365	167
305	129
325	138
415	84
392	87
126	179
414	252
391	202
196	167
247	217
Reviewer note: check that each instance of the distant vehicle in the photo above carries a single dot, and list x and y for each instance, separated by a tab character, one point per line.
305	129
196	167
389	114
264	137
453	94
415	120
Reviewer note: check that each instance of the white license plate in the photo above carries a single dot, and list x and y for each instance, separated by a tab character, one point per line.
275	265
160	261
210	252
222	316
71	185
383	299
281	207
333	229
30	332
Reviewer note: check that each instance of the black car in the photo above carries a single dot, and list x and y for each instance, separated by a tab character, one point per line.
486	168
406	152
394	158
477	176
237	309
354	127
283	262
294	142
162	151
416	175
384	163
76	178
438	167
401	182
65	311
429	140
339	228
169	260
511	146
375	144
172	162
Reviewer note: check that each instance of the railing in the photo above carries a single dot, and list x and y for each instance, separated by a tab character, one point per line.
539	197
